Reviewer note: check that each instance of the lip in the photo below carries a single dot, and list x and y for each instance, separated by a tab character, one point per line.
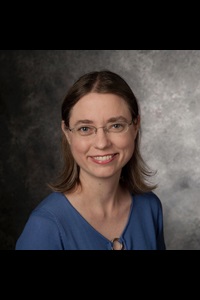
103	159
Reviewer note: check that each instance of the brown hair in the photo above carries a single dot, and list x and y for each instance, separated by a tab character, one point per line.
135	173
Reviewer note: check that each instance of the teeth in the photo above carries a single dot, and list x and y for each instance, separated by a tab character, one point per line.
103	158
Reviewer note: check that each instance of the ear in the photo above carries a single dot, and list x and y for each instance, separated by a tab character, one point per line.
65	131
136	124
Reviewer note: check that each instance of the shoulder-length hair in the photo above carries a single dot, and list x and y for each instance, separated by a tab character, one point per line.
136	173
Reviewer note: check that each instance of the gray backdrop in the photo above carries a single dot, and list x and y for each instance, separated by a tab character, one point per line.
167	85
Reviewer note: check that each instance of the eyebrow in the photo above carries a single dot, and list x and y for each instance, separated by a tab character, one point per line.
118	118
113	119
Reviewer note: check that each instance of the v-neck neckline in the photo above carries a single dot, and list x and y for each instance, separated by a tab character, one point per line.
92	227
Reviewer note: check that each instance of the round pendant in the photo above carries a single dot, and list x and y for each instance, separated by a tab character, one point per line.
117	245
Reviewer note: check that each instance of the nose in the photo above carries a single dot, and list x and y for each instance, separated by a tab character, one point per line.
102	139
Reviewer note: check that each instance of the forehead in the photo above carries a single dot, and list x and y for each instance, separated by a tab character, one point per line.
95	105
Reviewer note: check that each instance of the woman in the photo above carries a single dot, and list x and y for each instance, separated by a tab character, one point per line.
102	200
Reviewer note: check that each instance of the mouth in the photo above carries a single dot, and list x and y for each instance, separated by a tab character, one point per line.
103	159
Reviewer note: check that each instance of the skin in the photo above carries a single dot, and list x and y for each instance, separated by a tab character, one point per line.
101	200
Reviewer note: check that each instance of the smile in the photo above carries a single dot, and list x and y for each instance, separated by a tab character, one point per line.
103	158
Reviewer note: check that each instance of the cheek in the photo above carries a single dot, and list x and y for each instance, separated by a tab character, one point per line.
127	143
127	146
127	149
78	146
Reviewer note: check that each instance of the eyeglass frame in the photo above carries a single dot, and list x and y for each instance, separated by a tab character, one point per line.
74	129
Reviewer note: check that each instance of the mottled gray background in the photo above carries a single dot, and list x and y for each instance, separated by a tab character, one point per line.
167	85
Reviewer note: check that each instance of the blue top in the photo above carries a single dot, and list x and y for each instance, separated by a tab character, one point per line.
56	225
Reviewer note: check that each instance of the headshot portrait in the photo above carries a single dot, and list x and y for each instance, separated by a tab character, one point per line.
100	149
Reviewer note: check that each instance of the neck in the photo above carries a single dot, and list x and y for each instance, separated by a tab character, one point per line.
100	191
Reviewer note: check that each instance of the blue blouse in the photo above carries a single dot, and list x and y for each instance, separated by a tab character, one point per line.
56	225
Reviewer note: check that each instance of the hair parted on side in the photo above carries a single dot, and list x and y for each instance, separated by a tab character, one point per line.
136	173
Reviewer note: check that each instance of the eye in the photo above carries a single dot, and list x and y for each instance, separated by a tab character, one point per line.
117	127
85	130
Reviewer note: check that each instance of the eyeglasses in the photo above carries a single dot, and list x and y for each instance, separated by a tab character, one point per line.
89	130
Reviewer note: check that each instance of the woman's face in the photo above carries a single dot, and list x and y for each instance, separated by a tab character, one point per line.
101	154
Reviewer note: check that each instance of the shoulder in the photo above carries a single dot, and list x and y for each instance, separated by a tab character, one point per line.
51	204
43	229
149	199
